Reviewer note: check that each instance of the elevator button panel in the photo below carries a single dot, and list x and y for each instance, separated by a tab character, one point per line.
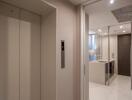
62	54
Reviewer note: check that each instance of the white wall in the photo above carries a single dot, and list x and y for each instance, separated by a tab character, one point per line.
101	19
114	50
113	47
104	48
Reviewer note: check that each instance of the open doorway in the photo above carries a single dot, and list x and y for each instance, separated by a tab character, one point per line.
107	78
109	26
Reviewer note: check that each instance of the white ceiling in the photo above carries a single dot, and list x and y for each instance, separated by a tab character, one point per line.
84	2
100	14
36	6
126	28
113	30
76	2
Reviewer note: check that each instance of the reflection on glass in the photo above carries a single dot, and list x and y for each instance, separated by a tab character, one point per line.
92	47
98	45
103	52
98	56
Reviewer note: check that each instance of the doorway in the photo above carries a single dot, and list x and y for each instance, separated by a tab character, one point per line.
104	28
124	45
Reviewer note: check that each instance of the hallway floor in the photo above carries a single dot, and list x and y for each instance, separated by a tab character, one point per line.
120	89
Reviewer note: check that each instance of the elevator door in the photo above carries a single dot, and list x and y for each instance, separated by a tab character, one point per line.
29	56
9	52
19	54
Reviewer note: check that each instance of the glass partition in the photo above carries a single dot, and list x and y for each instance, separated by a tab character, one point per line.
98	55
110	49
104	51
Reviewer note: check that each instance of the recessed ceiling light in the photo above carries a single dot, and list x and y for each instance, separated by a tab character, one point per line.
91	32
124	31
112	1
105	33
99	30
121	27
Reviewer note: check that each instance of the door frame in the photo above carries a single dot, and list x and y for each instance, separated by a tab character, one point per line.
84	78
84	62
131	56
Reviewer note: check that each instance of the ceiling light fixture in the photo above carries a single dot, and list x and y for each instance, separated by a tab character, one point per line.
99	30
124	31
105	33
112	1
121	27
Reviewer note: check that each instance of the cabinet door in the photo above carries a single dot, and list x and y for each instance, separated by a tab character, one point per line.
9	52
29	56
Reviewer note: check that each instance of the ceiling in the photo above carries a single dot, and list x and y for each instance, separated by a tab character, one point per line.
121	29
84	2
36	6
123	14
77	2
101	13
113	30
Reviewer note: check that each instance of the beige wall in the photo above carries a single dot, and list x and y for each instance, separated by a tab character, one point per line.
48	57
66	82
62	83
66	27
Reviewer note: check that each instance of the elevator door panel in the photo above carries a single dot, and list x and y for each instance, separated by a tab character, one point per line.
29	56
9	52
19	54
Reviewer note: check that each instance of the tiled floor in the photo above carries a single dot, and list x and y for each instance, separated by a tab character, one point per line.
120	89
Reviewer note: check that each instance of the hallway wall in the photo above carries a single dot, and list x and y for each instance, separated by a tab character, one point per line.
66	27
64	80
66	30
48	57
